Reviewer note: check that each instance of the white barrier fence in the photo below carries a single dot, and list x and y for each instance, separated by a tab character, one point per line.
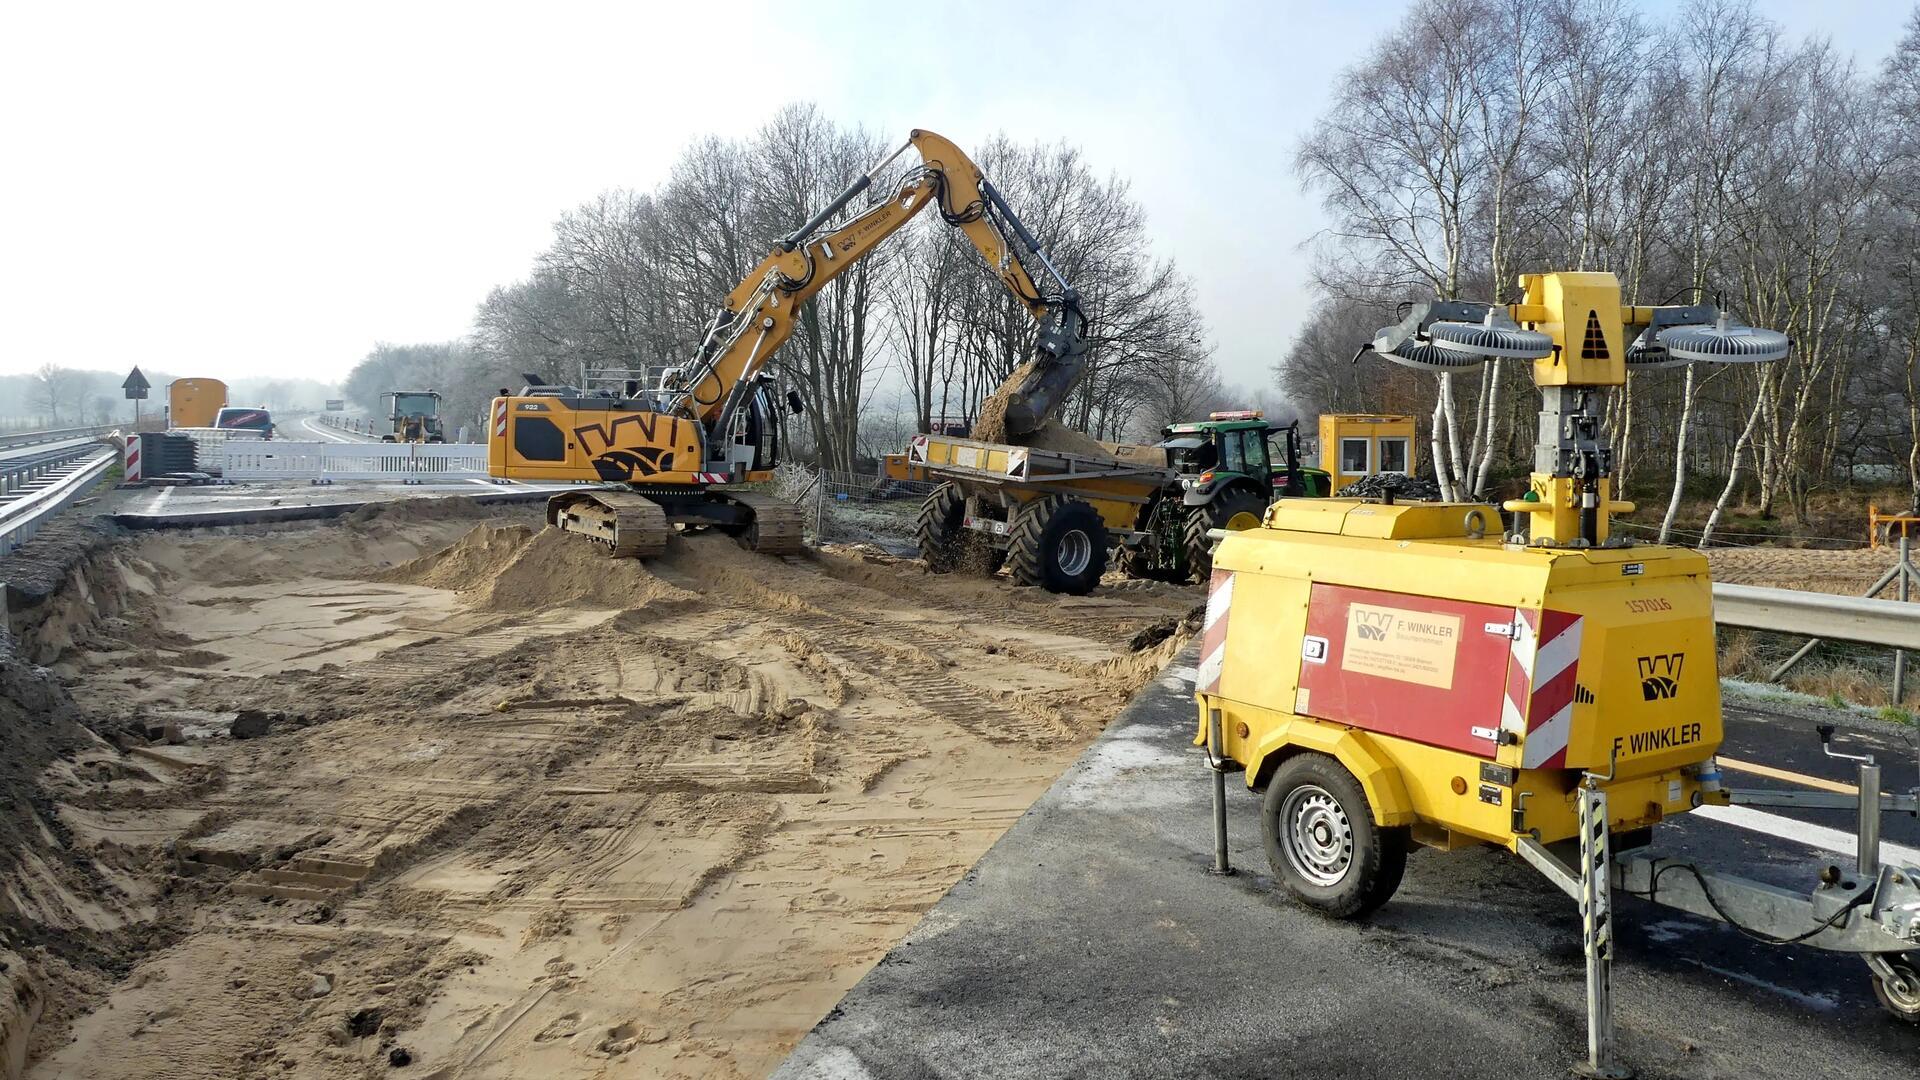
407	462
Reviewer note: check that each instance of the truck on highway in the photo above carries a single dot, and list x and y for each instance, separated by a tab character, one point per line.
195	403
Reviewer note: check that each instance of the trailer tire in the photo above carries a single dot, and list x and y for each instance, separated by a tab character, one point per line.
938	528
1901	996
1059	544
1234	509
1322	842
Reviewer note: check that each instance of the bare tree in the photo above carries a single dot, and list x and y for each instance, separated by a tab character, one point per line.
56	388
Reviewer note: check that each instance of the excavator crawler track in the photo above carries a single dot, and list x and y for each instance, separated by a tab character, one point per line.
630	526
776	525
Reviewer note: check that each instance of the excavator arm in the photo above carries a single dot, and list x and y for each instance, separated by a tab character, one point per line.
762	311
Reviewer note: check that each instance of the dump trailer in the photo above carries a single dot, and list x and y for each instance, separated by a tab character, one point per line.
1048	515
1033	509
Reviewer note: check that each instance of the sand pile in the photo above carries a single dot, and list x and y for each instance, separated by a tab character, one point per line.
554	569
477	557
992	423
512	568
1843	573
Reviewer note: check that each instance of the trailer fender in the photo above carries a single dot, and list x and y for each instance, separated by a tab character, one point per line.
1378	776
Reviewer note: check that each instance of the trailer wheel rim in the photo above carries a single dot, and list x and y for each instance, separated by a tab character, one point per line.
1903	990
1317	837
1075	552
1243	521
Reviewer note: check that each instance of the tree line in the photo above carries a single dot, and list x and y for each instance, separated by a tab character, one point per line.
1701	158
632	277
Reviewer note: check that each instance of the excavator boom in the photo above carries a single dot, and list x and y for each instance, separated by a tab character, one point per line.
760	313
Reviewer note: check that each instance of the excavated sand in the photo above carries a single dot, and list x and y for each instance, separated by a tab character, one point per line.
1845	573
992	423
524	810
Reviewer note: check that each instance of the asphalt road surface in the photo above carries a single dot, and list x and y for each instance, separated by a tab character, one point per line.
311	427
1091	942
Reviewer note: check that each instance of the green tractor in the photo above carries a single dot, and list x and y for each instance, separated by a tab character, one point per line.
1230	465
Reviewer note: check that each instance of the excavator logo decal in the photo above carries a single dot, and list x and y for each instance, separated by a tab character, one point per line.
613	461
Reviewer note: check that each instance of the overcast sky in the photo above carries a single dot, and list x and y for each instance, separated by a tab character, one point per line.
249	189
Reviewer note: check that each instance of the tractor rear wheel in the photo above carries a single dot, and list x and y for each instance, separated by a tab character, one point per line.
1059	544
1321	840
1231	510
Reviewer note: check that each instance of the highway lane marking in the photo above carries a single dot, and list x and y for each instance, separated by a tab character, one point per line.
1787	775
1819	836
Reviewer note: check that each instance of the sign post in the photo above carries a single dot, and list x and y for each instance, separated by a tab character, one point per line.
136	387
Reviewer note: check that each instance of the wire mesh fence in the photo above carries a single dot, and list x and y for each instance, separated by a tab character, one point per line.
864	508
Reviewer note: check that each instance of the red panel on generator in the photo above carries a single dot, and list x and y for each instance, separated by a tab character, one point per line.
1419	667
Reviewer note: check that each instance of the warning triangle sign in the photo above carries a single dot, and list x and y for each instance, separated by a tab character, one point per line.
1595	345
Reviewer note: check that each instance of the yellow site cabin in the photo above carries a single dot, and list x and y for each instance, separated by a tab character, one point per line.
1356	445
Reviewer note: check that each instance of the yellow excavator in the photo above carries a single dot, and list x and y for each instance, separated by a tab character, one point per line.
672	455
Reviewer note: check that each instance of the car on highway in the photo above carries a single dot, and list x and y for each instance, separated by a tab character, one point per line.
235	417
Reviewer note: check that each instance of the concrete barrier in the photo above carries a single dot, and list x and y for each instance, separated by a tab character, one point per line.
281	460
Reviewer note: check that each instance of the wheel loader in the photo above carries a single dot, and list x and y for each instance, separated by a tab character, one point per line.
415	417
678	454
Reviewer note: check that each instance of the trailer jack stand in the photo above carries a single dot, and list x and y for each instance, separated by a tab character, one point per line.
1591	886
1217	764
1596	929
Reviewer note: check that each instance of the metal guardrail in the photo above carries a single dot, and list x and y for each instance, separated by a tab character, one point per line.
24	510
20	470
1856	619
35	438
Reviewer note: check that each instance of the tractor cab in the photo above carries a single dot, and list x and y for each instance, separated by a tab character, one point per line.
1240	448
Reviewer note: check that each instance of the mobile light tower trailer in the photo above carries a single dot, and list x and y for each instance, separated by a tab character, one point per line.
1399	674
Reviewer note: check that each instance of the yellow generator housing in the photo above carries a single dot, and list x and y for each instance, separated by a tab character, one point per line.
1465	681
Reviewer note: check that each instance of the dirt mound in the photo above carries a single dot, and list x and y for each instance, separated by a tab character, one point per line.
477	557
401	512
992	423
1844	573
554	569
510	766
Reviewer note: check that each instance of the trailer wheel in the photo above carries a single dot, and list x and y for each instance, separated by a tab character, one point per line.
945	541
1059	544
1233	510
938	527
1900	995
1321	840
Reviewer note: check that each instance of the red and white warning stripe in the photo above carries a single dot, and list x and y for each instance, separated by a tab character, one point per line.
1542	673
1213	638
134	470
711	478
500	419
